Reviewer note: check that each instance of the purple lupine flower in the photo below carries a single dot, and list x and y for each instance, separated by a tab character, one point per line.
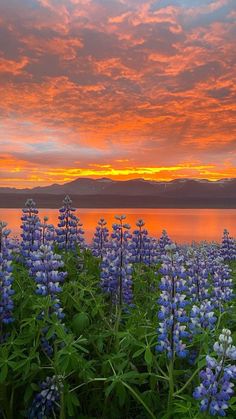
46	270
202	313
79	233
47	232
164	241
31	234
216	387
152	252
222	289
224	347
202	316
228	247
15	245
45	267
69	231
213	253
47	402
140	235
6	278
116	267
173	320
100	239
145	249
198	273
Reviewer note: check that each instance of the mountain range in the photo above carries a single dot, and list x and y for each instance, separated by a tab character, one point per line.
104	192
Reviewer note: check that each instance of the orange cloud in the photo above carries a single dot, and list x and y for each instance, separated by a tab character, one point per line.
119	88
13	67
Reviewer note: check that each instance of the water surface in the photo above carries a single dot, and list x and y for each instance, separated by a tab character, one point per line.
183	225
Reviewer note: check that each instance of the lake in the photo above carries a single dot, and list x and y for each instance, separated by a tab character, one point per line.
182	225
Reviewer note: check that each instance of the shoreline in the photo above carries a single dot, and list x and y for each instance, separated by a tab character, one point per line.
51	201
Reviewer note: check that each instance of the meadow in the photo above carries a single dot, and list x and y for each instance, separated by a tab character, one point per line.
127	327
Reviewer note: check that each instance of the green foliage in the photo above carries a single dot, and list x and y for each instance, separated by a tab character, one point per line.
106	359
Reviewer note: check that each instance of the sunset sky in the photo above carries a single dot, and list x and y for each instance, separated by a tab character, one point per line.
117	88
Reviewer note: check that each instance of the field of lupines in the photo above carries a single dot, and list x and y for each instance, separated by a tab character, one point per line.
127	327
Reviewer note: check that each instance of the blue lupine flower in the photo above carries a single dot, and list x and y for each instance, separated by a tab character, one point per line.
164	241
31	234
69	232
46	267
116	267
46	403
47	232
46	271
216	386
202	316
152	252
222	284
228	247
140	235
172	315
145	249
6	278
79	233
100	239
223	347
198	271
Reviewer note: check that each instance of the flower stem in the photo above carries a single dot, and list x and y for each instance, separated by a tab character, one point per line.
137	397
171	388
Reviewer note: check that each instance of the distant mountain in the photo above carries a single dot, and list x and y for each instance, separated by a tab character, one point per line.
101	192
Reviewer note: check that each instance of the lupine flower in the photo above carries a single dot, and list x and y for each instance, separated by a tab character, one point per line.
69	232
172	315
144	248
46	403
222	284
6	278
198	273
209	276
202	313
45	269
152	252
216	386
140	235
202	316
100	239
116	269
31	235
79	232
228	247
164	241
224	347
47	232
212	253
16	247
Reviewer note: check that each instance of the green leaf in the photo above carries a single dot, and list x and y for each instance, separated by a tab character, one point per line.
202	363
28	393
3	373
139	352
148	356
80	322
121	393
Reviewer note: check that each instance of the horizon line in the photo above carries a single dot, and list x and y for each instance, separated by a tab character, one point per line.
120	180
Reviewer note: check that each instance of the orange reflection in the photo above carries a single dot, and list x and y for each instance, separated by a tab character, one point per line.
183	225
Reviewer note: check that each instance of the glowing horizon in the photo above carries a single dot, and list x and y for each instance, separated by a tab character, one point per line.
116	88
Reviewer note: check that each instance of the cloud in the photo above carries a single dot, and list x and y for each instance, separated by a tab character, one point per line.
116	88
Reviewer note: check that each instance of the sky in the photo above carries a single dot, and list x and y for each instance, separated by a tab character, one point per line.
116	88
